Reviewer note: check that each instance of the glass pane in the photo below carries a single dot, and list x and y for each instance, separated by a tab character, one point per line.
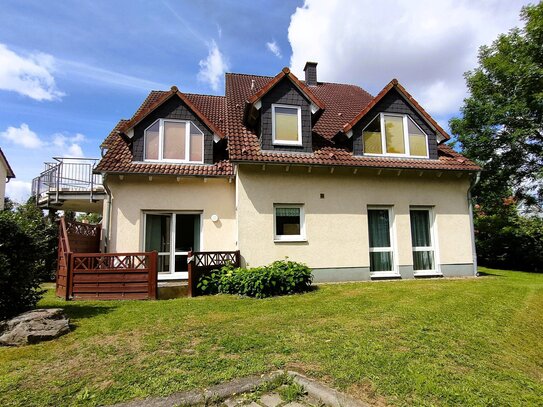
372	137
379	227
417	139
164	263
420	228
151	141
423	260
185	232
417	145
196	144
157	233
380	261
181	263
174	141
286	124
287	221
394	134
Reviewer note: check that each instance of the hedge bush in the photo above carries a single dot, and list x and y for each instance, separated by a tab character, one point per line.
279	278
19	267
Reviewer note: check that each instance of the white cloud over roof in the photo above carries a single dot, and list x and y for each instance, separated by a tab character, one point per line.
29	75
427	45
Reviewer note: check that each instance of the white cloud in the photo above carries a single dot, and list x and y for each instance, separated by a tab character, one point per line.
274	48
22	136
18	191
30	75
213	67
427	45
96	75
69	145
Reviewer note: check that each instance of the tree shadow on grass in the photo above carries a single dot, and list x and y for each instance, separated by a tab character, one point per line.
81	311
486	274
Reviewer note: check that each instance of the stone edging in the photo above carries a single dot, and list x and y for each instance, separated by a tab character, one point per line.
315	390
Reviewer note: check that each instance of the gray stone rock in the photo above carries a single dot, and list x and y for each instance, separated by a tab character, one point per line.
33	327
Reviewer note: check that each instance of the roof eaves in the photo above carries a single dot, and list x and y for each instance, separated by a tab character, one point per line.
9	171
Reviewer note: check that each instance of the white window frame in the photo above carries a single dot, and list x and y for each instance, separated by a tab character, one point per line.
161	142
286	142
434	247
172	274
395	272
289	238
405	119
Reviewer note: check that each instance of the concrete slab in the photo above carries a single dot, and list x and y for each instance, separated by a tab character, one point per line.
271	400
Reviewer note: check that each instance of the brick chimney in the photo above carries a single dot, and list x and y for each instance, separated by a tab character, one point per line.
310	73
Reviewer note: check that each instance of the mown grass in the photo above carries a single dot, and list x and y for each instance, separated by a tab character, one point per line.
424	342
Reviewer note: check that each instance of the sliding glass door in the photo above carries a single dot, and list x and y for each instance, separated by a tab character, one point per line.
172	235
380	240
423	241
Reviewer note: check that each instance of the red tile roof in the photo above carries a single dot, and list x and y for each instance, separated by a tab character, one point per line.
118	160
343	105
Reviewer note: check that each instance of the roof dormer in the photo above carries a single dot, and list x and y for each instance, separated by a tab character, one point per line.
282	112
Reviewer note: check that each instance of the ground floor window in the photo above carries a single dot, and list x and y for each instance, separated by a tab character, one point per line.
422	238
172	235
380	240
289	222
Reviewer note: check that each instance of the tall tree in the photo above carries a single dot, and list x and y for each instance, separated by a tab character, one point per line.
501	124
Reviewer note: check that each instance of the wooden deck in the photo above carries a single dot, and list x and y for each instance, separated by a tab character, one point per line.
85	274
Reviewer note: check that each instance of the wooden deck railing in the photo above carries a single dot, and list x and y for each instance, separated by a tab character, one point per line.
200	263
84	273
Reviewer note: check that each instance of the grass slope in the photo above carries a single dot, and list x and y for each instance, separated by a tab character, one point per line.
419	342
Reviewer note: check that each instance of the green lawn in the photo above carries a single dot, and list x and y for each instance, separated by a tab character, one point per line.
424	342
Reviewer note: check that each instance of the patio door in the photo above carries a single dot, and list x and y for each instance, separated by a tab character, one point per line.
172	235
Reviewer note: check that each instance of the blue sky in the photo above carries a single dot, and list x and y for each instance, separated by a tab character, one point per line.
69	70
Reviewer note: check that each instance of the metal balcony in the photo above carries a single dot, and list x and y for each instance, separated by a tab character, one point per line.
69	184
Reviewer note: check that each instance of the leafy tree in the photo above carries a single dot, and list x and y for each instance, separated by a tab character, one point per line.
501	123
19	267
90	217
43	230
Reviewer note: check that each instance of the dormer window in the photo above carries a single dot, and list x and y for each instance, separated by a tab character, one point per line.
287	125
394	135
173	141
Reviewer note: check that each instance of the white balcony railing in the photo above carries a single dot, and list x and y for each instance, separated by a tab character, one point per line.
65	176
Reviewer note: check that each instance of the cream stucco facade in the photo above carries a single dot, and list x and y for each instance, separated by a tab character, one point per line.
336	222
3	175
335	205
134	195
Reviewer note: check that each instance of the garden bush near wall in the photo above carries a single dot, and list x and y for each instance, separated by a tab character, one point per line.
19	267
279	278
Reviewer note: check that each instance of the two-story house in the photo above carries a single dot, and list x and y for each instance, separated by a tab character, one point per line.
6	173
356	186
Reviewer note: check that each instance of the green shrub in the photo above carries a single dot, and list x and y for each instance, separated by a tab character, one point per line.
19	267
279	278
510	242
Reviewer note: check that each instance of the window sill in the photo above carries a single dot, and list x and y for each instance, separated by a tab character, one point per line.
291	240
384	274
418	157
279	144
170	162
427	273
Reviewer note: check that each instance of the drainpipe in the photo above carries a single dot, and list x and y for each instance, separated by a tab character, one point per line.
106	220
472	185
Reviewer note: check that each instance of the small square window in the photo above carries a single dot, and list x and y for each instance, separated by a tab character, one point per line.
286	125
289	223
